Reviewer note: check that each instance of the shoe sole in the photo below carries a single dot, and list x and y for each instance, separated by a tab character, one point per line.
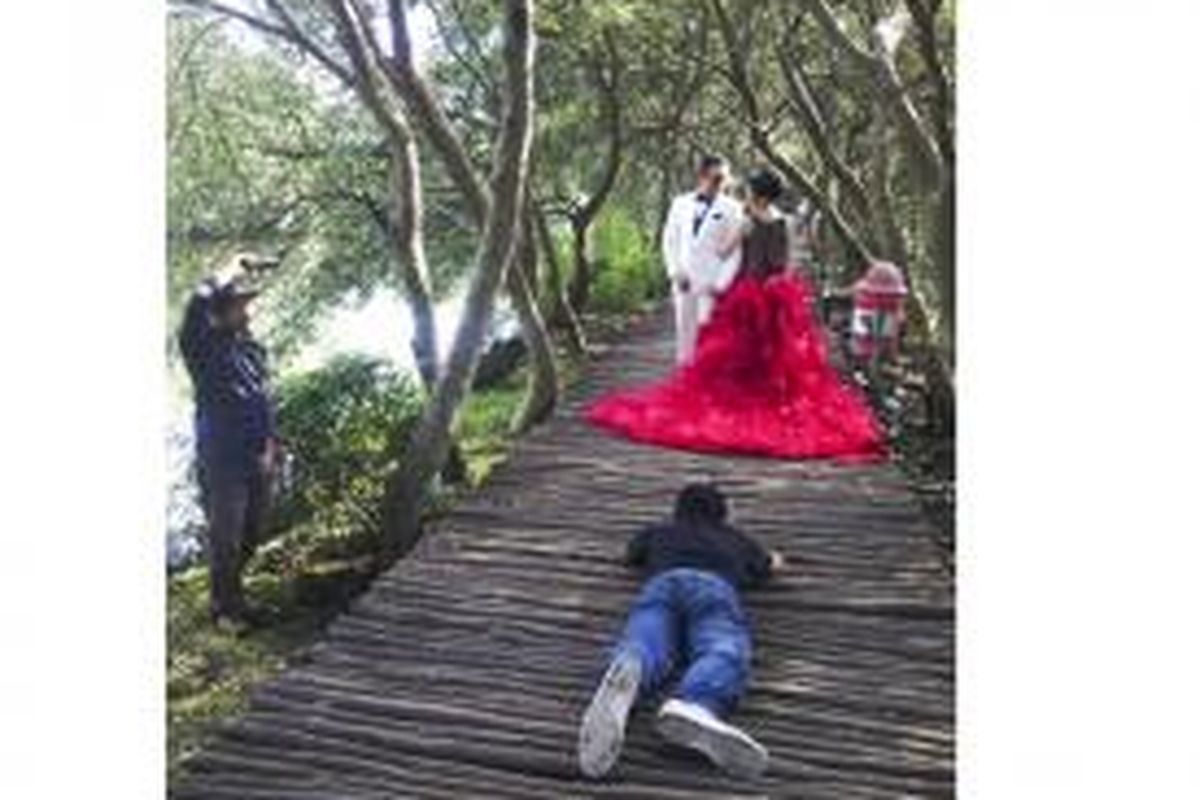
602	732
743	758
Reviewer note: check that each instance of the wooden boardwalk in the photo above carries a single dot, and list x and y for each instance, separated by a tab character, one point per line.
463	671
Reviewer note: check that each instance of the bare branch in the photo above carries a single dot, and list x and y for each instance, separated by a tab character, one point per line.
880	65
230	12
309	45
925	14
762	141
358	41
805	104
610	90
424	107
287	30
840	36
474	62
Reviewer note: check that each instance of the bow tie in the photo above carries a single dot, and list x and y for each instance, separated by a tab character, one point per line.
707	199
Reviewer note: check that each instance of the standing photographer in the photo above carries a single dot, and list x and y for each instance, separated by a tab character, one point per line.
235	426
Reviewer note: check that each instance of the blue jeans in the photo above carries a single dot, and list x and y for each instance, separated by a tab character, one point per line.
692	619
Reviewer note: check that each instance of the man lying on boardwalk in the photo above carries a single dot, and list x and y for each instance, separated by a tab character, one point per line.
687	613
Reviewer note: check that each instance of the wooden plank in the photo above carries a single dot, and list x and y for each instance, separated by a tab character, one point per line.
462	672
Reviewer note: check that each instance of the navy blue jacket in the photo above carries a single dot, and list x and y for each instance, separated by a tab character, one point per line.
235	412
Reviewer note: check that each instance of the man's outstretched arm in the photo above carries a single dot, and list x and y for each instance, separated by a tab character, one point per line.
762	564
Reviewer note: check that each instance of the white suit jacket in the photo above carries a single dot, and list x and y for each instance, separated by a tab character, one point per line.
696	255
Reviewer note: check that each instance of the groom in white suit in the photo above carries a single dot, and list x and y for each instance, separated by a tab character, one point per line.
699	223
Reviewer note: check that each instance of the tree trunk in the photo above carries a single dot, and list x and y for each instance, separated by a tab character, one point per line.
541	393
580	290
944	250
562	315
891	235
606	75
543	389
431	440
406	235
404	224
407	219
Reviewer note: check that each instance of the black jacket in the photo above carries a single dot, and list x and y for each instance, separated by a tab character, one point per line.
717	548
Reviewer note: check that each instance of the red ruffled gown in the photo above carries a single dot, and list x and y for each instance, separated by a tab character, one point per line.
760	381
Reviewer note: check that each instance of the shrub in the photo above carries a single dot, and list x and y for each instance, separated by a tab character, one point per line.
343	426
627	269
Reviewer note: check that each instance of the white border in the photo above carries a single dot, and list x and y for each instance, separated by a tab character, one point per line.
81	570
1078	295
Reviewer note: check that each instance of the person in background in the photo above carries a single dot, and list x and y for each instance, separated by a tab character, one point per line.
236	445
697	222
688	613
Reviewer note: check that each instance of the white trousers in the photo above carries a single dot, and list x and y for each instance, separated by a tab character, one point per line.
692	310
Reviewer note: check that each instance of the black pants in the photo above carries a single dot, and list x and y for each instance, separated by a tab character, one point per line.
236	500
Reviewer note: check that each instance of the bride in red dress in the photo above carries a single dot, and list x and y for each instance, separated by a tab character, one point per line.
760	381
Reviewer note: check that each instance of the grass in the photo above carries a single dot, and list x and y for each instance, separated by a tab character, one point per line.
299	581
210	672
483	424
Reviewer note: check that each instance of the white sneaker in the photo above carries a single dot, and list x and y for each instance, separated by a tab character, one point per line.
694	726
602	731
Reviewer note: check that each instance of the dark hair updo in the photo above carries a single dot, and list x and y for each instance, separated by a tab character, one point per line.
765	183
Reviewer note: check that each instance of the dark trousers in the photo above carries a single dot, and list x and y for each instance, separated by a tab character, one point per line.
690	620
236	500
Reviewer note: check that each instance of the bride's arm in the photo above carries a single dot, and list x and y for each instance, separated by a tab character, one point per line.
728	249
732	236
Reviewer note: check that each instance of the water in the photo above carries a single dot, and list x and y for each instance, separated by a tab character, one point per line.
381	328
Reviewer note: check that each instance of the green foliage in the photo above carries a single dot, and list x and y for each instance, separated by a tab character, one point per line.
266	153
344	426
211	671
262	156
483	427
628	273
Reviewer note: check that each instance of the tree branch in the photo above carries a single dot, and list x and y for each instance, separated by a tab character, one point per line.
358	42
288	31
309	45
431	440
834	29
925	14
880	64
762	141
610	90
805	105
474	62
419	99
